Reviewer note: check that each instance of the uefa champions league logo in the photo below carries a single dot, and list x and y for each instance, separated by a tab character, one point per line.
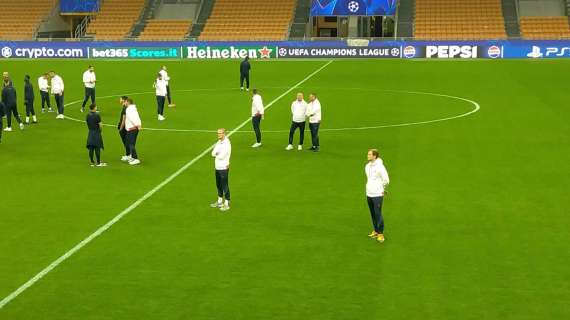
6	52
353	6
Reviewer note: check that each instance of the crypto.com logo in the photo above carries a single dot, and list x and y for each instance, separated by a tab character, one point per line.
6	52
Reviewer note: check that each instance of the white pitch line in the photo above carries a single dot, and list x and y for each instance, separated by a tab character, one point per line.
476	108
135	204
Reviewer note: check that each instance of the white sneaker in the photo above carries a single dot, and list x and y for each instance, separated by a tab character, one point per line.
134	162
50	110
300	147
245	90
102	164
216	205
8	129
224	208
34	119
241	88
125	158
60	116
172	105
21	126
27	120
256	145
289	147
161	118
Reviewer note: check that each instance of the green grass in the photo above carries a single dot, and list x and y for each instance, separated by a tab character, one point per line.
476	220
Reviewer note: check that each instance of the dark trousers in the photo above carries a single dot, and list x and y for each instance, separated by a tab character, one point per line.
30	108
45	99
59	102
375	206
222	183
89	93
12	110
132	142
1	125
168	94
315	134
294	126
160	104
123	134
242	77
256	121
97	152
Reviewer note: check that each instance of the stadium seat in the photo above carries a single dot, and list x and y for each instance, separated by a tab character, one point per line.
459	20
24	18
548	28
115	19
249	20
171	30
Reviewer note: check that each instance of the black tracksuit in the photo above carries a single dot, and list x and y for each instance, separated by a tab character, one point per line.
29	98
244	68
10	101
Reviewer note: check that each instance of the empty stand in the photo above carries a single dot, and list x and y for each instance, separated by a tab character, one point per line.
19	19
249	20
165	30
459	20
545	28
115	19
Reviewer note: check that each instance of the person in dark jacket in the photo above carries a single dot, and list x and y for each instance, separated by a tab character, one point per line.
10	102
94	137
121	126
244	68
29	100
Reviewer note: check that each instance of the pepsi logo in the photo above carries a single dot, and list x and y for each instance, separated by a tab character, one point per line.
494	52
409	52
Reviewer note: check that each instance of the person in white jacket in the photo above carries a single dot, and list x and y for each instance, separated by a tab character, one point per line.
57	89
257	114
222	152
89	80
43	86
161	92
315	116
377	180
299	111
133	124
166	78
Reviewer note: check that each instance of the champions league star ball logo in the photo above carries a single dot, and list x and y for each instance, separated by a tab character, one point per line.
395	52
6	52
353	6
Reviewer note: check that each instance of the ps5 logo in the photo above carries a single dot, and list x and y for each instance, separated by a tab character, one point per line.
549	52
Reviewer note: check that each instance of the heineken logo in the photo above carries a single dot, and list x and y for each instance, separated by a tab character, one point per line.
230	52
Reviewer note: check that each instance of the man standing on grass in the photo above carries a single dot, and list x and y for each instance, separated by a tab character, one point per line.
166	78
161	92
2	107
43	86
132	124
222	152
244	68
29	100
89	80
121	126
57	88
10	104
314	113
94	137
257	114
377	180
299	111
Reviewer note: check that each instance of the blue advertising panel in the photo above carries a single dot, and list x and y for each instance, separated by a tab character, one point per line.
353	7
78	6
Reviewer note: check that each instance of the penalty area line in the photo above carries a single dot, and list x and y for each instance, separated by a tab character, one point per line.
137	203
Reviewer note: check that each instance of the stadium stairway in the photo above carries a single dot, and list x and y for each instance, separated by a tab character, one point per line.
406	19
510	15
147	13
298	27
205	12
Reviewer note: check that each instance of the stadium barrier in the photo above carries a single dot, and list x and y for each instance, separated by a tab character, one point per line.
516	49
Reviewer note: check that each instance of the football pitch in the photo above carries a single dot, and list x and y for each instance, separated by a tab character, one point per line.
476	212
